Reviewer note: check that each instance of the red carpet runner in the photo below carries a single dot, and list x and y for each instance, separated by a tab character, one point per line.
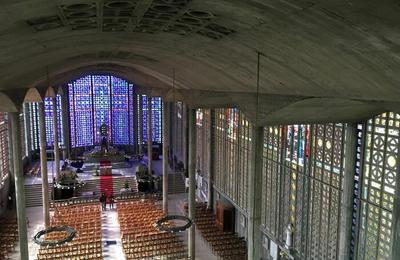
106	182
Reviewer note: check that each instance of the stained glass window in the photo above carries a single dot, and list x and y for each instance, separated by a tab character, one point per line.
4	159
144	117
33	111
378	186
156	105
157	119
101	99
102	105
302	172
132	115
120	111
83	105
203	121
49	120
233	145
71	100
22	134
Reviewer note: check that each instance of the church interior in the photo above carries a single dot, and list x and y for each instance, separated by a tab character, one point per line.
198	129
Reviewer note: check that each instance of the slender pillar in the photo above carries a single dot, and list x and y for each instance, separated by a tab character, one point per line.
55	133
43	165
254	195
211	150
140	128
166	130
19	185
192	180
346	206
149	136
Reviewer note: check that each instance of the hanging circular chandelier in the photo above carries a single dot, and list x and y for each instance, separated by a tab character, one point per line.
44	242
164	224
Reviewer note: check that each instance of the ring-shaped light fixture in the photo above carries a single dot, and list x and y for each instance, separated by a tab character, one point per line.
43	242
161	223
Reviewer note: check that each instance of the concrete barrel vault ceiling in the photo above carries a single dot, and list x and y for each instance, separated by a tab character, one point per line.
328	60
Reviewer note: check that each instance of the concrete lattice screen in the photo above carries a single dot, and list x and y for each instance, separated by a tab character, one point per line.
303	171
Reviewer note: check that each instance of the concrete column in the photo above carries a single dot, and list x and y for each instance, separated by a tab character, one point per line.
65	125
55	133
140	124
166	130
43	165
192	180
346	206
149	136
211	169
254	195
19	186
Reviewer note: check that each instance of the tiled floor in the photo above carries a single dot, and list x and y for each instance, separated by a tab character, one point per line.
111	236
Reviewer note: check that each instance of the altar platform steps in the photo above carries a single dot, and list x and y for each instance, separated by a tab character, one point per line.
176	183
33	195
118	183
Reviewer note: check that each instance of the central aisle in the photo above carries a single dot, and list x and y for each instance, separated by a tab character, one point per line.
111	236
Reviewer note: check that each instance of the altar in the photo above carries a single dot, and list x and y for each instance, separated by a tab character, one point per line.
104	154
105	168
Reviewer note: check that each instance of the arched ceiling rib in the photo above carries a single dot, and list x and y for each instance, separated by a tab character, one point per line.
333	50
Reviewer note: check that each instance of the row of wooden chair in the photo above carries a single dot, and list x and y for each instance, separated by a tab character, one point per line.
87	244
8	236
140	238
225	245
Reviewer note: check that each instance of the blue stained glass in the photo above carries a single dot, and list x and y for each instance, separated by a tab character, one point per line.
60	120
144	118
101	98
156	105
71	114
83	112
120	111
34	125
131	113
48	111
